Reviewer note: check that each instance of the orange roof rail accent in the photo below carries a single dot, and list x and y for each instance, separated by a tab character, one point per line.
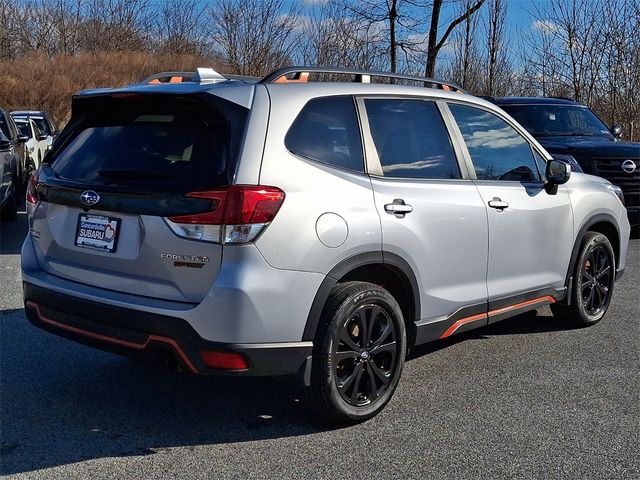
300	74
299	77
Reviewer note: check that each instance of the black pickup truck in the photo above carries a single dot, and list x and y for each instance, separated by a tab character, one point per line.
568	128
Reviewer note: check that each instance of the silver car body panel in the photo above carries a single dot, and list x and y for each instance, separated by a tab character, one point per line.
264	292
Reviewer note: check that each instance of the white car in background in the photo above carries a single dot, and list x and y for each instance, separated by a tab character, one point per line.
37	145
42	119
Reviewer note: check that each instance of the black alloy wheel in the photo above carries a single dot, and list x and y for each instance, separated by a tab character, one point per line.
359	352
594	280
364	349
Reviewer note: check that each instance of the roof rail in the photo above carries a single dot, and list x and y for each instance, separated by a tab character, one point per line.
201	75
559	97
301	75
169	77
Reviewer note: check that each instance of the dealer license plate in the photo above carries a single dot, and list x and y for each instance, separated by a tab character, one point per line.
97	232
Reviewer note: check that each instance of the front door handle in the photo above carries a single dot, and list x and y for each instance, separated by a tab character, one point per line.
498	204
398	208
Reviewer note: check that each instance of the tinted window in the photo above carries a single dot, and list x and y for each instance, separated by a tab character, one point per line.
327	131
557	120
23	129
42	125
497	150
411	139
171	145
4	126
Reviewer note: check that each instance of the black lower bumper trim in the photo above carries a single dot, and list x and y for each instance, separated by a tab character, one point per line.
125	331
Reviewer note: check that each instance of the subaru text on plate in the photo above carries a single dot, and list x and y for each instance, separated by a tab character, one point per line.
286	226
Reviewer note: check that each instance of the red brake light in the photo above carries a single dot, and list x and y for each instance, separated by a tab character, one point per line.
247	205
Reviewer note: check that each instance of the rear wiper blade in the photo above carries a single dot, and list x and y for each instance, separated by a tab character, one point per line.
130	173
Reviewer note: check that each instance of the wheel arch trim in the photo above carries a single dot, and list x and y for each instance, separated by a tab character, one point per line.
348	265
590	222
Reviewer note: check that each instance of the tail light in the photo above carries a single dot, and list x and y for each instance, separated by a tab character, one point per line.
238	214
32	193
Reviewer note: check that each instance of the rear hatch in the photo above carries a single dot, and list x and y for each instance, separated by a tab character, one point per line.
124	164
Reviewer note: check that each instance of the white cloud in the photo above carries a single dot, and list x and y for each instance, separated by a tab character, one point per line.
545	26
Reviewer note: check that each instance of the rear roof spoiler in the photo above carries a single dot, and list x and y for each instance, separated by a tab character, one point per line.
202	75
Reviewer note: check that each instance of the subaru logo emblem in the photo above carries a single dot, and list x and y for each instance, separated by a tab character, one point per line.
629	166
89	197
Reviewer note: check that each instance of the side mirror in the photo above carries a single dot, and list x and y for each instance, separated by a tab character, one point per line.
22	138
557	172
616	130
42	136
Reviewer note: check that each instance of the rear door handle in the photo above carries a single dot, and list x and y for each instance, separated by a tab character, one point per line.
498	204
398	208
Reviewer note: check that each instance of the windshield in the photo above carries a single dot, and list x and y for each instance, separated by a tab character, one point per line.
557	120
24	129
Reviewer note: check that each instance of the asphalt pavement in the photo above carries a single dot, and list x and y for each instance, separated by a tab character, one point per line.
526	398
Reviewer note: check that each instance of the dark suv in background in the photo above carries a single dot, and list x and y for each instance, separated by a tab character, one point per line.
567	128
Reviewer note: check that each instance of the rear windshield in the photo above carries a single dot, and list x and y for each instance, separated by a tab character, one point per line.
172	144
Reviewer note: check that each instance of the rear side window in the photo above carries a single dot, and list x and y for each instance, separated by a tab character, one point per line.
497	150
411	139
326	130
176	144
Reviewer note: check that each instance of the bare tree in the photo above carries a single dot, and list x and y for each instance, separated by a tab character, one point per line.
179	29
434	45
465	65
8	13
113	25
497	70
332	39
255	36
389	23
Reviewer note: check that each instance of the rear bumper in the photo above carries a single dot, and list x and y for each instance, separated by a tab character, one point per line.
125	331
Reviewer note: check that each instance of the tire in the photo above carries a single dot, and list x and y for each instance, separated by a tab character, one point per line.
10	208
351	382
594	280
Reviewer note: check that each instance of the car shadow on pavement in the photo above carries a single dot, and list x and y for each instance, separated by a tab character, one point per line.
63	403
13	232
535	321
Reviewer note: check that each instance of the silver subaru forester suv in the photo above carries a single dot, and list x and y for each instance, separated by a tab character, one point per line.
317	229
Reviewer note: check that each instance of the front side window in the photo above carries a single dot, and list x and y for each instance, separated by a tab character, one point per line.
327	131
23	129
411	139
497	150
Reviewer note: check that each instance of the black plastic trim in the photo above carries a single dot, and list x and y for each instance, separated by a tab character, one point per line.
428	330
348	265
135	326
598	218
